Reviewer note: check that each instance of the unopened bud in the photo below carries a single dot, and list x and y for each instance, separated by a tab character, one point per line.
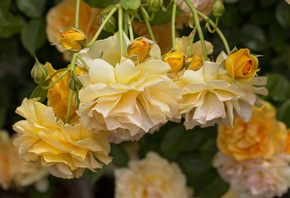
110	25
218	8
193	63
73	39
155	5
38	72
139	48
74	83
175	59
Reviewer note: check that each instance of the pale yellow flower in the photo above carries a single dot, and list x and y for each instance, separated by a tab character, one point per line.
15	172
209	99
230	194
151	177
255	178
66	150
125	98
62	17
57	96
261	137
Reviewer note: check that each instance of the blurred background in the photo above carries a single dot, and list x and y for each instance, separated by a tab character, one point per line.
263	26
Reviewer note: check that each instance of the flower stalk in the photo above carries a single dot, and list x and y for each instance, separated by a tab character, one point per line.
198	28
146	19
77	13
120	24
173	24
102	26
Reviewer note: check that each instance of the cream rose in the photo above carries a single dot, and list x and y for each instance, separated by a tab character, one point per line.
150	178
66	150
256	178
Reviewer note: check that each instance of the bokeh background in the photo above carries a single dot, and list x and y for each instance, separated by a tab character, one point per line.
263	26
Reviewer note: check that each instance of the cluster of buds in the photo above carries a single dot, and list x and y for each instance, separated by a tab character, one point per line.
177	61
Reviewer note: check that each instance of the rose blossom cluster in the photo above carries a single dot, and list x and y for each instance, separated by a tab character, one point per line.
123	97
254	156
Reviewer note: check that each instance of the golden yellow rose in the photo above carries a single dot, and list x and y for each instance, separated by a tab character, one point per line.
57	96
175	59
140	48
66	150
71	39
241	65
262	137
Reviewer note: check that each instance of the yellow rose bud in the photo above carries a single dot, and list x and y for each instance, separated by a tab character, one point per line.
175	59
72	39
139	48
241	65
287	149
193	63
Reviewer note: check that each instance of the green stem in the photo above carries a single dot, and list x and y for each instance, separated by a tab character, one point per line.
145	15
131	32
197	26
70	96
83	61
77	13
191	43
120	24
215	26
126	24
173	24
56	80
102	26
217	30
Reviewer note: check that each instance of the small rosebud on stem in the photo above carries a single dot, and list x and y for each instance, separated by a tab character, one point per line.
193	63
175	59
139	48
38	72
218	8
154	5
73	39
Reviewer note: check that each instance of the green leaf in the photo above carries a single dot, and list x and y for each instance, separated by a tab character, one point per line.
33	35
246	6
283	113
93	177
39	92
4	7
282	14
10	24
253	37
208	150
32	8
120	156
201	176
277	38
130	4
278	87
100	3
174	140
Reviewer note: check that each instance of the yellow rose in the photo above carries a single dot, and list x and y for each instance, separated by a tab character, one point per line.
57	96
241	65
66	150
262	137
175	59
194	62
140	48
